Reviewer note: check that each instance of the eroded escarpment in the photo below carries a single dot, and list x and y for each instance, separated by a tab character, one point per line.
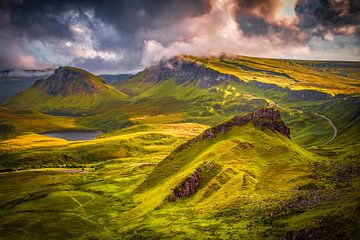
265	118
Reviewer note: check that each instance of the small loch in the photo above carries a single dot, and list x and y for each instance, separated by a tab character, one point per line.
74	135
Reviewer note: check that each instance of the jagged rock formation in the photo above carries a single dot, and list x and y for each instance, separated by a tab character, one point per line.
67	81
265	118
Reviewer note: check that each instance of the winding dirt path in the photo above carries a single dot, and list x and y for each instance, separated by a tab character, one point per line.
332	125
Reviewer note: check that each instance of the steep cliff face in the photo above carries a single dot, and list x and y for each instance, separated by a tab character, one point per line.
184	71
266	118
67	81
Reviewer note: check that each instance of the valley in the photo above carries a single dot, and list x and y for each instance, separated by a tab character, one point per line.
227	147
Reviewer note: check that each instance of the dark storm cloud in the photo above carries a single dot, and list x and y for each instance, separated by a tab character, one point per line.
39	18
51	21
340	17
259	18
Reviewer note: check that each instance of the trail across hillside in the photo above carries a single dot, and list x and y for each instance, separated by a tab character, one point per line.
332	125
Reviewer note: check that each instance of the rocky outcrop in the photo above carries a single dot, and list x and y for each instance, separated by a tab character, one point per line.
265	118
67	81
188	187
192	183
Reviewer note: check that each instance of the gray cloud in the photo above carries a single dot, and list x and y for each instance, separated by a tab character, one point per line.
341	17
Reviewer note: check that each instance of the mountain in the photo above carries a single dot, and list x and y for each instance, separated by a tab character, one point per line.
307	80
115	78
17	80
69	89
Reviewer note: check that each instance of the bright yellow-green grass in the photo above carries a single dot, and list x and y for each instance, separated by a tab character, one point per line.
35	98
251	162
119	183
155	139
302	75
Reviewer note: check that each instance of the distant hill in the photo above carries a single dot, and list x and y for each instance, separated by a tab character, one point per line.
17	80
114	78
69	89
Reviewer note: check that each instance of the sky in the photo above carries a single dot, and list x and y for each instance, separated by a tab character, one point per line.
119	36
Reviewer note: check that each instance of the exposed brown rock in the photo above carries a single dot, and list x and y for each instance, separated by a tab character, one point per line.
188	187
191	184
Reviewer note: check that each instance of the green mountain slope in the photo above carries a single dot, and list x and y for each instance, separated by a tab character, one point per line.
236	149
67	90
242	178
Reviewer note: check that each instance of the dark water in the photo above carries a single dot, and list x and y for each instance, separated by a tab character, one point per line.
74	135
